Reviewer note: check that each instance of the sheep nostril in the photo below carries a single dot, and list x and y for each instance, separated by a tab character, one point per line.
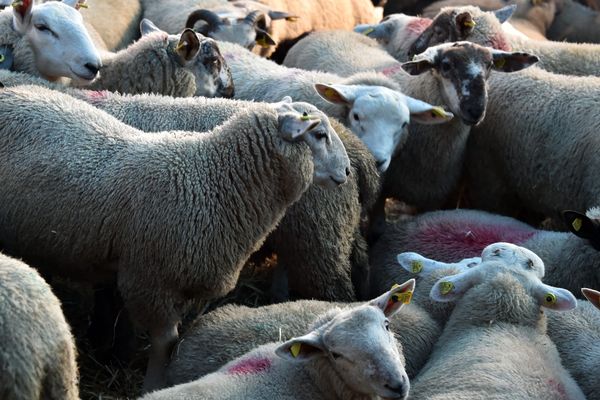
347	171
92	68
380	163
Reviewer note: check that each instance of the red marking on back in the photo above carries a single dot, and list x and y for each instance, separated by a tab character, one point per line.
96	96
463	239
500	42
558	387
418	25
389	71
250	366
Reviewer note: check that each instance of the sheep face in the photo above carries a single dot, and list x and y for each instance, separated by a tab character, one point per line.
59	39
303	121
463	69
359	347
454	24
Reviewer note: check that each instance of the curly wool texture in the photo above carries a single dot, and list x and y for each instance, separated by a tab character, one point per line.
450	236
242	329
495	320
37	356
172	214
576	335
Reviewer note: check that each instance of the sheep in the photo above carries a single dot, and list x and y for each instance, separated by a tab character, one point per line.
410	176
494	345
318	242
348	353
177	65
201	240
38	354
485	28
370	104
586	30
241	329
49	40
576	335
572	259
117	22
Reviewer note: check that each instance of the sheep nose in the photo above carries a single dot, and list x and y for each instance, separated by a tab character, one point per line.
400	388
347	171
93	68
380	163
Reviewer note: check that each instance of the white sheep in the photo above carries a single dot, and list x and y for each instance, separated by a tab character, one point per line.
485	28
242	329
371	105
169	239
572	259
38	351
349	353
454	75
318	241
116	22
576	335
49	40
494	345
181	65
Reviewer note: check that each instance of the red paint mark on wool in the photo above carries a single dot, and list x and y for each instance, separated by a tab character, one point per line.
389	71
499	41
96	96
462	239
418	25
558	387
250	366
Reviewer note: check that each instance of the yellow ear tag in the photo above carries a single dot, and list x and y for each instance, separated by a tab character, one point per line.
446	287
295	349
1	58
405	297
17	3
181	45
550	299
438	112
262	42
499	63
576	224
330	93
305	117
367	31
469	24
292	18
416	266
83	5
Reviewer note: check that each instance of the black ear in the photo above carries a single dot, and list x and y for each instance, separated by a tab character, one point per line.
579	224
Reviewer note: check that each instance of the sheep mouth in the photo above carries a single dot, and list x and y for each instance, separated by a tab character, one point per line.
84	77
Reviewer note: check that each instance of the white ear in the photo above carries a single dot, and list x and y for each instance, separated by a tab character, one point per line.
337	94
22	15
425	113
554	298
147	27
504	13
286	99
292	125
376	31
394	299
593	296
302	348
417	264
453	287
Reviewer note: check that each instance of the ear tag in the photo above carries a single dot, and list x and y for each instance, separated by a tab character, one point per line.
550	299
292	18
181	45
295	349
446	287
330	93
499	63
367	31
2	58
305	117
262	42
576	224
469	24
405	297
416	266
82	5
17	3
438	112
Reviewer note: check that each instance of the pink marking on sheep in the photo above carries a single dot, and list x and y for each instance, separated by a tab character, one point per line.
558	387
250	366
468	238
499	41
393	70
97	96
418	25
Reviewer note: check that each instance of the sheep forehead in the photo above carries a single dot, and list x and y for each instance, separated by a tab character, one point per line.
514	258
381	103
56	12
358	331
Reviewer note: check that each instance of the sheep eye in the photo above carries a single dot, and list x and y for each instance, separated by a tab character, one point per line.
320	135
529	264
44	28
387	325
335	355
355	116
404	125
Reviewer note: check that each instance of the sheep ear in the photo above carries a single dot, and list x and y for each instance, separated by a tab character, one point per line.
302	348
580	225
22	14
505	61
76	4
336	94
417	264
188	46
275	15
263	39
425	113
464	23
293	125
147	27
394	299
504	13
593	296
557	299
381	32
417	67
450	288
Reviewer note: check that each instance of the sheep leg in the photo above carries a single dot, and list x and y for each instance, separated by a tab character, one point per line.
162	339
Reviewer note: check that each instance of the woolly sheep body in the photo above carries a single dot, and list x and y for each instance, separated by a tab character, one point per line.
576	335
127	216
170	15
449	236
241	329
116	22
38	351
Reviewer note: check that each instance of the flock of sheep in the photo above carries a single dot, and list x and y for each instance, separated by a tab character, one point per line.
157	145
